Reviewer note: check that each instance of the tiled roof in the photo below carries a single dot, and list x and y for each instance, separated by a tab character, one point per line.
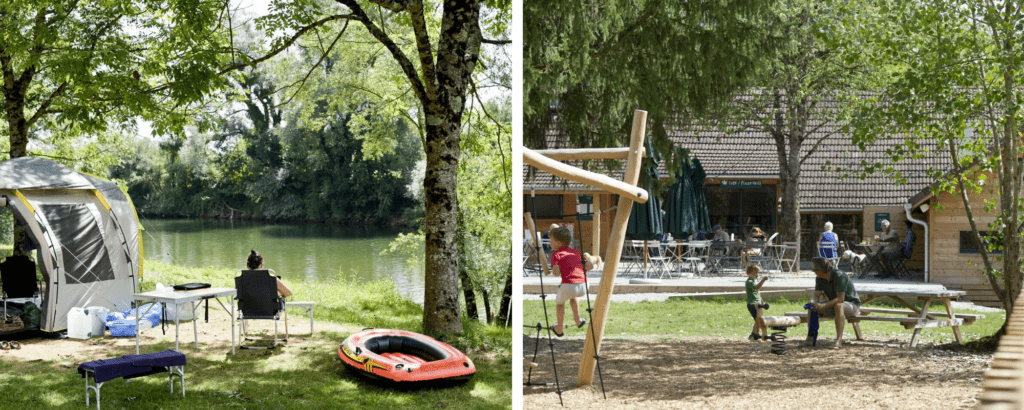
752	154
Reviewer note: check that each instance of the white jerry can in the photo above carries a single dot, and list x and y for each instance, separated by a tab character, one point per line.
79	323
98	316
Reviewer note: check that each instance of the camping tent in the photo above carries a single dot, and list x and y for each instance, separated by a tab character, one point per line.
85	233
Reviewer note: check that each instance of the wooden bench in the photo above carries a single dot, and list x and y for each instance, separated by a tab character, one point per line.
968	318
909	322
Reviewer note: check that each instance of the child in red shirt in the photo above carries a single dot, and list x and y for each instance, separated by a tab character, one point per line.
567	262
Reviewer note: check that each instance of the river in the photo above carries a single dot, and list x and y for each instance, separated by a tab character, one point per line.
294	251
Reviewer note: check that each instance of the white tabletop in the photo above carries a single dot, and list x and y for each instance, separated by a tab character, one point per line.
169	295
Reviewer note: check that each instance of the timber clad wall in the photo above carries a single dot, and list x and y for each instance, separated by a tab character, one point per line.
569	208
949	266
896	217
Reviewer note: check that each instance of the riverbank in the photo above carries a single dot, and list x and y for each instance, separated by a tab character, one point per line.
303	373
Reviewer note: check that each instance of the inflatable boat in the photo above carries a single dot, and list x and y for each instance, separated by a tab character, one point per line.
404	357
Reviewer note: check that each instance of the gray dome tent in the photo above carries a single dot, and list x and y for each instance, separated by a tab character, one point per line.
86	233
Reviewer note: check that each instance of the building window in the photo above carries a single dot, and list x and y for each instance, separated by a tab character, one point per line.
969	243
543	206
585	207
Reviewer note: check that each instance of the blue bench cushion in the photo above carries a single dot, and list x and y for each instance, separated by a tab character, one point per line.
131	366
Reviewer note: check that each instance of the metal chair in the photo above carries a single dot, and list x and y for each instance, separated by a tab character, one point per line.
900	264
829	251
791	261
258	300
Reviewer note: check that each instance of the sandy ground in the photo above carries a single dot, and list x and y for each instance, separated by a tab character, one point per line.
717	373
214	340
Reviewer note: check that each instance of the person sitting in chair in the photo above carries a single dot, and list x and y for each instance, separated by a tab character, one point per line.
756	235
887	256
255	261
828	237
909	240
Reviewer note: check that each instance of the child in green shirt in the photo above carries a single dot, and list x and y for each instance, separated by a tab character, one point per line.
755	305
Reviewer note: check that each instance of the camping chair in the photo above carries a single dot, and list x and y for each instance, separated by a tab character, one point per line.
18	277
258	300
827	250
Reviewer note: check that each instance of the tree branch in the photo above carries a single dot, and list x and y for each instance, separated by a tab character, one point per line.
498	42
403	61
44	107
419	26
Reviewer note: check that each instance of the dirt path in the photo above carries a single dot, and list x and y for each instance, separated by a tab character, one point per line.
716	373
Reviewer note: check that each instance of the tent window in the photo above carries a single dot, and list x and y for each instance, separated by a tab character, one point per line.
85	256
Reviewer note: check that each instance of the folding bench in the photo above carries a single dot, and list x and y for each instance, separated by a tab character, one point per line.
132	366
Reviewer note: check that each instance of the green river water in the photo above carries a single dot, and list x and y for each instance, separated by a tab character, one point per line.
294	251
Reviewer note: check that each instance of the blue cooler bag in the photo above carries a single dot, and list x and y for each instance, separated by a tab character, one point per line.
122	324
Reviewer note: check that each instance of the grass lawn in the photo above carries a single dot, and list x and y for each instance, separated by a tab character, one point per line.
301	376
678	318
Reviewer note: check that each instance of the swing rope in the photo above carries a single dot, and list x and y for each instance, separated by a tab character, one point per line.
590	309
544	303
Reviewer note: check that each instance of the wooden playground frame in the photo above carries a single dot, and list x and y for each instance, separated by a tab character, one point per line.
548	160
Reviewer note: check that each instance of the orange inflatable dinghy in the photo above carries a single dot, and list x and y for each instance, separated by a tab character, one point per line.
405	357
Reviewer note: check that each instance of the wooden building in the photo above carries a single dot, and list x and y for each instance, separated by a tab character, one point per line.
743	191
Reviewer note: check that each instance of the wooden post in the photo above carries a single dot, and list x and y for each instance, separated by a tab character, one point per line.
540	249
558	169
615	241
595	227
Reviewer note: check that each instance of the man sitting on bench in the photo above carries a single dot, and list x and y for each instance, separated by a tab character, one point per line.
834	296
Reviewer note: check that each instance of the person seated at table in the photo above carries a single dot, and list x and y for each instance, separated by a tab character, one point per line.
887	256
254	262
909	239
834	296
829	243
696	236
756	235
720	234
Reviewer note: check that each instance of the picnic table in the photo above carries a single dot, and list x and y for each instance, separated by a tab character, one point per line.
912	317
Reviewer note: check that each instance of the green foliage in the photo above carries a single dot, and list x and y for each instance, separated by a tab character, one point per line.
84	68
592	63
256	168
958	85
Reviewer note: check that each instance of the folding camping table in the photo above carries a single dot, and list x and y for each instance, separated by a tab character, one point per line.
169	296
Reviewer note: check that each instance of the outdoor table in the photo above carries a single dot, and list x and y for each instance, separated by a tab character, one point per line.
723	251
871	250
914	318
169	296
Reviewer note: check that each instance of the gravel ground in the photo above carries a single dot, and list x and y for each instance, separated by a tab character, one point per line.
719	373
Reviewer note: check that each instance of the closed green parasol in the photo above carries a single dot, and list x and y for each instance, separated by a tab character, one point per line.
680	205
697	176
645	219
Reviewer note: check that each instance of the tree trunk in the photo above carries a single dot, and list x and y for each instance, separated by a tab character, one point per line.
467	292
506	299
487	306
17	125
457	53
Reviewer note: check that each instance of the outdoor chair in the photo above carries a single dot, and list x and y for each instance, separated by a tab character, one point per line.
788	259
18	276
900	264
258	300
827	250
658	260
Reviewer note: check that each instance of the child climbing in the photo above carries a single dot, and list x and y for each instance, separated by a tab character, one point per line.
566	262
